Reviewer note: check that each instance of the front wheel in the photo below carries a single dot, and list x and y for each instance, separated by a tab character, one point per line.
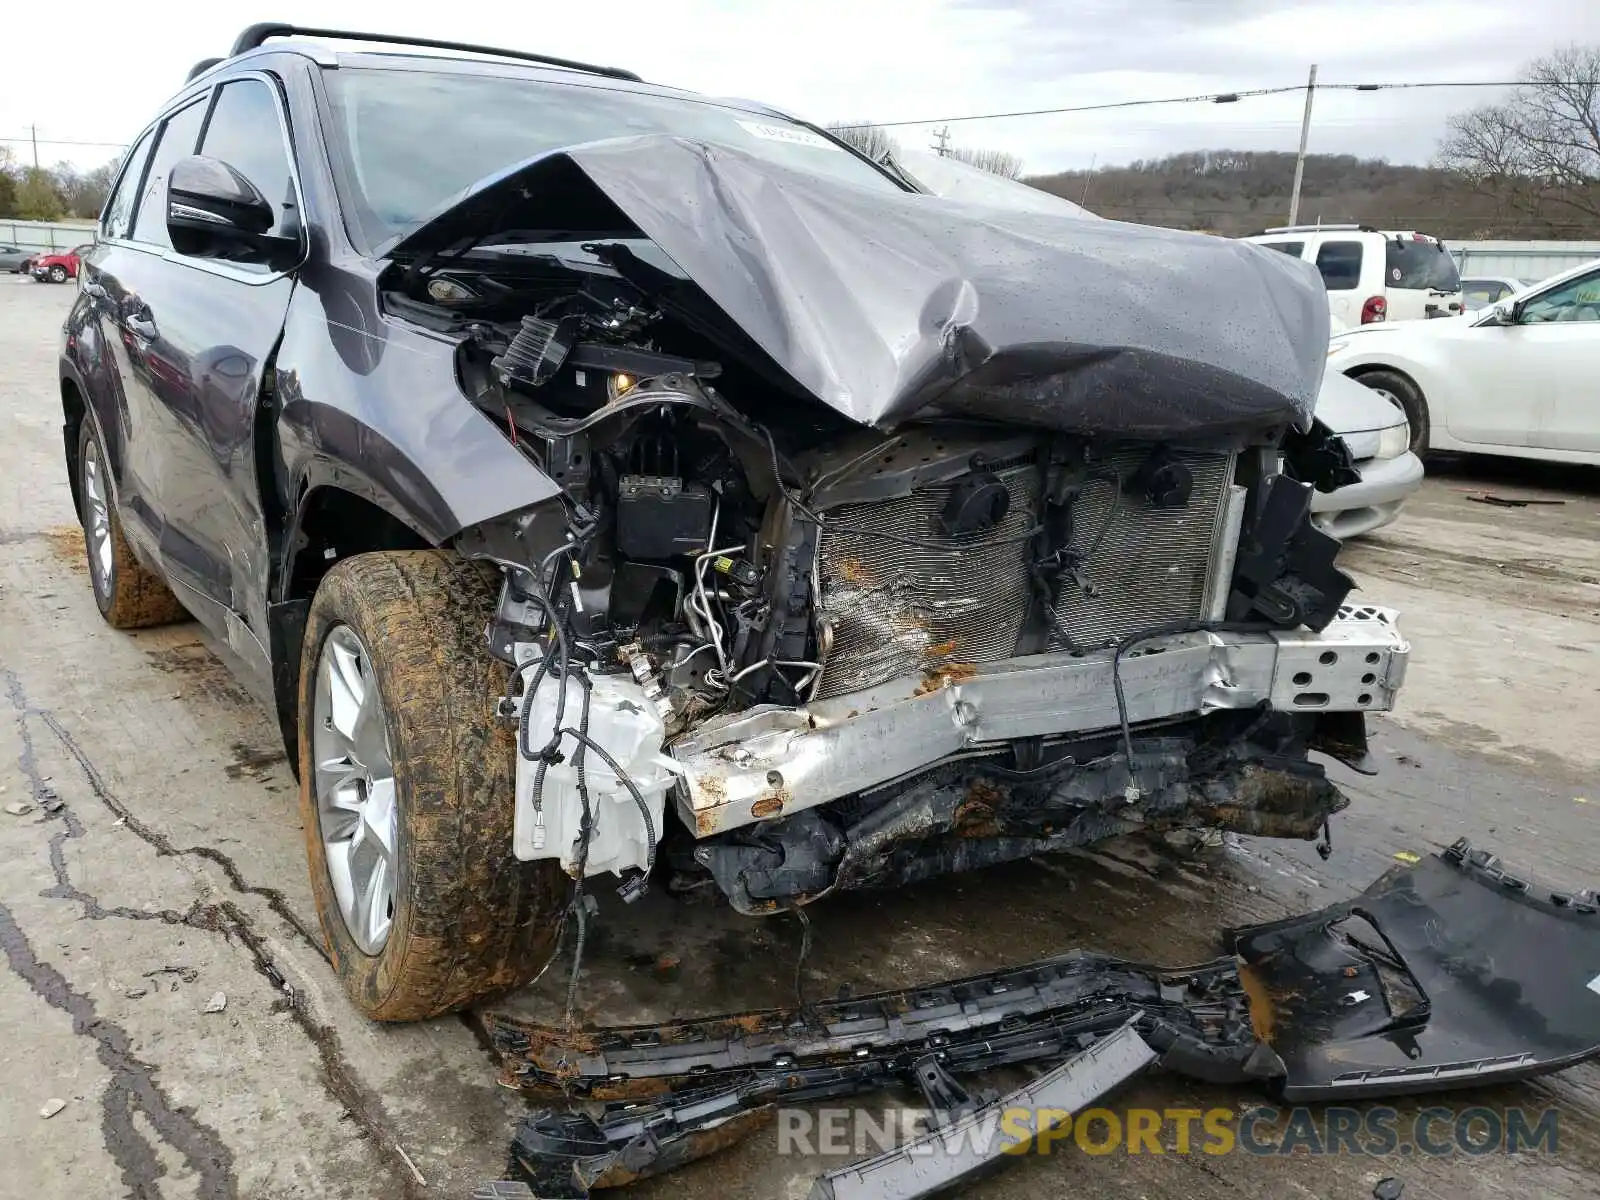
1407	397
58	274
407	790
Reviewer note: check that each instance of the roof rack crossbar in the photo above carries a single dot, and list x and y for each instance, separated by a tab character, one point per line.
256	35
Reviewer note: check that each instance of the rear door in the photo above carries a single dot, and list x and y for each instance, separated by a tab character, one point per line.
204	331
1340	261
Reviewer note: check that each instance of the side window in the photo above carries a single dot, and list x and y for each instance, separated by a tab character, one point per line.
177	140
245	132
1578	300
1292	249
119	209
1340	264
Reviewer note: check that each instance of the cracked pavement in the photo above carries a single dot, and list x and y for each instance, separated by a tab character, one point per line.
161	862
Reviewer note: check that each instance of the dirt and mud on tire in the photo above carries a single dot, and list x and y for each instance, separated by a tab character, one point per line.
128	594
469	920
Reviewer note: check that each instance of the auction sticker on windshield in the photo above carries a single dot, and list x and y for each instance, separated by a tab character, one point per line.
784	133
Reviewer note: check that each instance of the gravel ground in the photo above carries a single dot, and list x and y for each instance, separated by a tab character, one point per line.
171	870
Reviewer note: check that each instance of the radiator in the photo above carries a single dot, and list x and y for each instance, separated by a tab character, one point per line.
920	603
915	606
1152	565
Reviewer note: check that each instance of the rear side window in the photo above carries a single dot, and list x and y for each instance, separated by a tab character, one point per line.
1340	264
119	209
178	136
1420	264
244	132
1292	249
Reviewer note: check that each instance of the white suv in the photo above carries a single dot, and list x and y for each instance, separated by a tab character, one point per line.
1374	275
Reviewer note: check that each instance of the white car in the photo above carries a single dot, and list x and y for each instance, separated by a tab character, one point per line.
1520	378
1372	425
1374	275
1480	291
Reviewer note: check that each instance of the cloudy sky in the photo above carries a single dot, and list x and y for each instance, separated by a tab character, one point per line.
93	72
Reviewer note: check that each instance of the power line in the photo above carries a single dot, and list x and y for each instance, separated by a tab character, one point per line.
1222	98
1204	98
61	141
1209	98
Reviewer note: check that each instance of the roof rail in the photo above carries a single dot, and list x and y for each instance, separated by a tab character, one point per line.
1316	228
200	68
256	35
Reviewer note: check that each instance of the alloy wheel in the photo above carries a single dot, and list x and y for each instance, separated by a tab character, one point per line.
97	518
355	791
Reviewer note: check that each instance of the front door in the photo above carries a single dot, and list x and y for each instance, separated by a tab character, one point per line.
1558	332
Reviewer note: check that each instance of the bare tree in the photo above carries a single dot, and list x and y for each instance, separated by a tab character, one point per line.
1541	147
996	162
84	193
872	140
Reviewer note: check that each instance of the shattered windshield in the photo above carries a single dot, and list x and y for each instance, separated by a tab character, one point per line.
414	139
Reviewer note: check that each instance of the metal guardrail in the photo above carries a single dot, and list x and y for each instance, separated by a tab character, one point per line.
46	235
1529	260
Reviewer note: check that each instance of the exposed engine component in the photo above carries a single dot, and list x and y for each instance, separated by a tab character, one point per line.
659	516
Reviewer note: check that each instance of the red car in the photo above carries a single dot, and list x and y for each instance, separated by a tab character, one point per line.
58	268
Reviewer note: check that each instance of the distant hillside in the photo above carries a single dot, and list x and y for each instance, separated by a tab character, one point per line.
1235	192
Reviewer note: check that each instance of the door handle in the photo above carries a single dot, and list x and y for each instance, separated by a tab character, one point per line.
140	326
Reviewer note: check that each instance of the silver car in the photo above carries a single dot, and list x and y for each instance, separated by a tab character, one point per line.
1373	426
12	258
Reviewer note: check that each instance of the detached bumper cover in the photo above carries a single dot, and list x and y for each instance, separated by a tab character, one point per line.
1449	973
779	761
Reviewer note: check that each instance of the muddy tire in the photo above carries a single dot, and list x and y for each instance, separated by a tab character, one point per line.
466	919
128	594
1410	399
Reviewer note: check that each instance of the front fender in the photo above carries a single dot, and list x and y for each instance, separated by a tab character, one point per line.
1427	371
371	405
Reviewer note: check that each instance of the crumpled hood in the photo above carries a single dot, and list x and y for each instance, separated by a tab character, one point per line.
890	305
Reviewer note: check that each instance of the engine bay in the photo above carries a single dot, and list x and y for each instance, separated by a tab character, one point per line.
729	550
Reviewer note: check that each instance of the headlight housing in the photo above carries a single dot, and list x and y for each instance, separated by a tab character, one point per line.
1394	441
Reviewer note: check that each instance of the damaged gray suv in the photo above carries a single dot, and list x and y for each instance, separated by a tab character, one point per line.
612	481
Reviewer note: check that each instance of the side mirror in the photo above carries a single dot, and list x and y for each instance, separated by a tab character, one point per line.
215	212
1501	312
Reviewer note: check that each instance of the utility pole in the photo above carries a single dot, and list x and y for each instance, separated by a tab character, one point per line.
1305	133
33	132
1088	178
941	142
